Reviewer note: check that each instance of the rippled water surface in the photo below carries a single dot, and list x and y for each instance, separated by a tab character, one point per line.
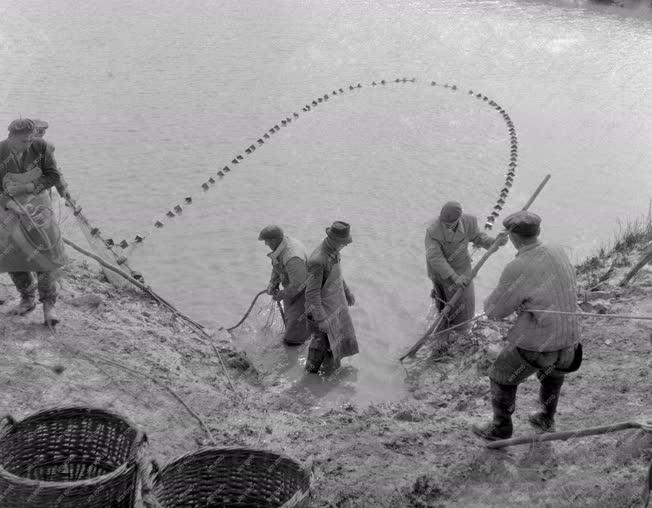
146	100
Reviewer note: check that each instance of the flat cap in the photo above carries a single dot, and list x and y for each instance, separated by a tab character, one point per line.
523	223
21	126
271	232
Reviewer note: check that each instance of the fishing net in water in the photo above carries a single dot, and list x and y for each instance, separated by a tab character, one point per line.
264	316
274	324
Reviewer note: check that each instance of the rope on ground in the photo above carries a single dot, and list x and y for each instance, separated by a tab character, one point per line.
193	324
137	373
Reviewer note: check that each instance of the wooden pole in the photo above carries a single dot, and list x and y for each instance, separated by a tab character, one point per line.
645	259
556	436
458	294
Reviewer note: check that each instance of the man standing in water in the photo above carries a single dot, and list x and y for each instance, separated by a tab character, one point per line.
448	260
327	301
288	268
540	278
30	240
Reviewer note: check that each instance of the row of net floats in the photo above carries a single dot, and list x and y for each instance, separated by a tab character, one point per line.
80	457
177	210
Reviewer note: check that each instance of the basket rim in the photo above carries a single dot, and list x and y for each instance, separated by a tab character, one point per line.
89	410
204	449
6	475
131	462
300	494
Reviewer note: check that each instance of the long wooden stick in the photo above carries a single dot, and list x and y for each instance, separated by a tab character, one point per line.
645	259
590	314
556	436
458	294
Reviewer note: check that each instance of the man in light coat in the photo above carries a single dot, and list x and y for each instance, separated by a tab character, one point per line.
541	277
289	259
327	301
448	260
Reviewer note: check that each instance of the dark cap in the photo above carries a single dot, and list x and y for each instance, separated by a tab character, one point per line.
271	232
21	126
451	211
340	232
523	223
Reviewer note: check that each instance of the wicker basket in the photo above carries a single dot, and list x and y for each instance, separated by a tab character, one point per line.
233	477
69	458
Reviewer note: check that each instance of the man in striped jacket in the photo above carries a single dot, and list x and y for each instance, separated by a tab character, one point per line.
541	277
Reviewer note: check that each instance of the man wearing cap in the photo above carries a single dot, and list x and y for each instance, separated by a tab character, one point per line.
327	301
541	277
289	259
449	262
30	240
40	126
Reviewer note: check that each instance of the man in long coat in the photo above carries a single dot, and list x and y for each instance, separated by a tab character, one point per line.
289	259
30	240
541	277
327	301
448	260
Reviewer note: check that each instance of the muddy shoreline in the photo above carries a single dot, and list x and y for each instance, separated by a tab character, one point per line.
416	452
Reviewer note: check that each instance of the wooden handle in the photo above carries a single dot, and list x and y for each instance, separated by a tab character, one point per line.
556	436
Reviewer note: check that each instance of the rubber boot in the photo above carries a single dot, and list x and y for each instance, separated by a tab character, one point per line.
314	360
503	399
544	419
49	316
26	305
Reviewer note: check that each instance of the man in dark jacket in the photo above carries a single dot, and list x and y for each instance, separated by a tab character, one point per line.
541	277
40	126
289	259
30	240
327	301
448	260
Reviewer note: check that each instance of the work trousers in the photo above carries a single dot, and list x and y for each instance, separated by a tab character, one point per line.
46	284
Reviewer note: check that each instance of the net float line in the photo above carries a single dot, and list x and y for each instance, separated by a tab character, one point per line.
240	158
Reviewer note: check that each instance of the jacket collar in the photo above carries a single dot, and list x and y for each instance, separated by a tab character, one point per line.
526	248
449	235
279	250
330	252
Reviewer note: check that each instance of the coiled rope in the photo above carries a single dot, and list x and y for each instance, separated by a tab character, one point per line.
239	158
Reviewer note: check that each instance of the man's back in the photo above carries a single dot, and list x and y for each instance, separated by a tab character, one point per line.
541	277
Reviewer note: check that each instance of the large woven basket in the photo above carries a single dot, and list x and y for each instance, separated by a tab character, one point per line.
69	458
233	477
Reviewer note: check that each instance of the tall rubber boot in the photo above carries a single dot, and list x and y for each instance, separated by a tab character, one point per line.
544	419
49	316
503	400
